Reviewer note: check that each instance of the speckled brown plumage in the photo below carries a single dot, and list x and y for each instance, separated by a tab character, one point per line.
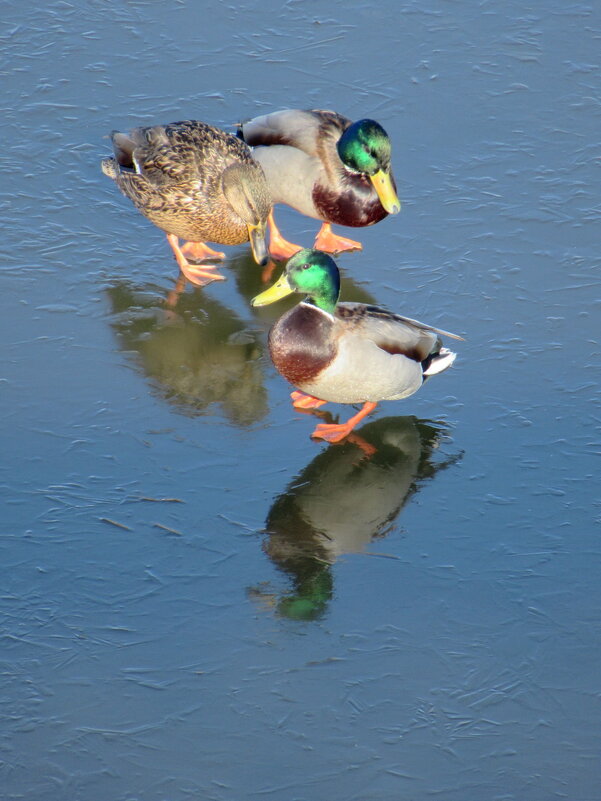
174	174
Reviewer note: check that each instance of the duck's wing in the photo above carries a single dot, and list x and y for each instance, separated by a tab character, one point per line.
151	154
392	333
177	153
152	165
309	131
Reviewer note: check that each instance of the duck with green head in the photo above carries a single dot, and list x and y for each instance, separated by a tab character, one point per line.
195	182
326	167
346	352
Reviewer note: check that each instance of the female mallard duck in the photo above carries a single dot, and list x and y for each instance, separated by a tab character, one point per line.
196	182
346	352
326	167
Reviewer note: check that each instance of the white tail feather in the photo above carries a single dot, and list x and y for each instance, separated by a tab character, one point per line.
443	359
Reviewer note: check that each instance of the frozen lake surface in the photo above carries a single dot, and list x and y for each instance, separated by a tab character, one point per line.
199	601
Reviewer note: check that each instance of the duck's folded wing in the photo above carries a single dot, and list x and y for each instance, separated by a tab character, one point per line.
392	332
305	130
135	186
170	167
162	154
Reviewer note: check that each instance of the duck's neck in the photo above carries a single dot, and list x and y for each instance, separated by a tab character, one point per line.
325	295
327	305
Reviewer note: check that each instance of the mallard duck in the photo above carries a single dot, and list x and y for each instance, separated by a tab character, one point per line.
196	182
326	167
346	352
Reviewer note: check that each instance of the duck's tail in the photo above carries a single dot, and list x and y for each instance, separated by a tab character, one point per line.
438	362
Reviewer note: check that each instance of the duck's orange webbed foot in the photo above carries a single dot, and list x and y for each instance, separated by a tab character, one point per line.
330	242
300	400
199	275
279	248
198	251
334	432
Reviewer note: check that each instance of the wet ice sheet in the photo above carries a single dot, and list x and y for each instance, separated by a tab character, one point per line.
145	653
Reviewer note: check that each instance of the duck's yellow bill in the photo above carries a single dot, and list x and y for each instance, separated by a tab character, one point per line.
279	290
386	192
256	234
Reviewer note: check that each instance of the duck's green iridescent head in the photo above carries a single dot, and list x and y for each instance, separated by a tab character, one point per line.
311	273
365	147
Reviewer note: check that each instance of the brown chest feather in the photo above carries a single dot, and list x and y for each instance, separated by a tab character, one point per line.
302	344
353	203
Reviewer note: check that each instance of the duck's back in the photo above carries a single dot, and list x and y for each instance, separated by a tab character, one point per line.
179	151
308	130
297	151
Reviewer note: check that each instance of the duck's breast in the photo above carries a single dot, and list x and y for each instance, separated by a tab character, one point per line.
302	345
363	372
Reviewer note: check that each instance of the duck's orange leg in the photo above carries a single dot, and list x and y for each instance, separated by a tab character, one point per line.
300	400
196	274
366	447
334	432
330	242
279	248
173	296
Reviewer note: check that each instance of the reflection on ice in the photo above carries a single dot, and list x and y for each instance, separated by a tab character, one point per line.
195	353
347	496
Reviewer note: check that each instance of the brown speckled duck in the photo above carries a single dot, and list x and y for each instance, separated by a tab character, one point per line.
195	182
326	167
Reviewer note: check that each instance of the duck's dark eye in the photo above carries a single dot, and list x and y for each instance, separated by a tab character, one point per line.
306	266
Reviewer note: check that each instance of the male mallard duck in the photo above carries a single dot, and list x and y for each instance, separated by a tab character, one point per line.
196	182
326	167
346	352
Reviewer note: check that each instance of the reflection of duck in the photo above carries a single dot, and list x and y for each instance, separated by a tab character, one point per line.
340	502
326	167
196	355
346	352
196	182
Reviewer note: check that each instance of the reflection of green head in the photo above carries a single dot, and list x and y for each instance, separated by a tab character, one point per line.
312	595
